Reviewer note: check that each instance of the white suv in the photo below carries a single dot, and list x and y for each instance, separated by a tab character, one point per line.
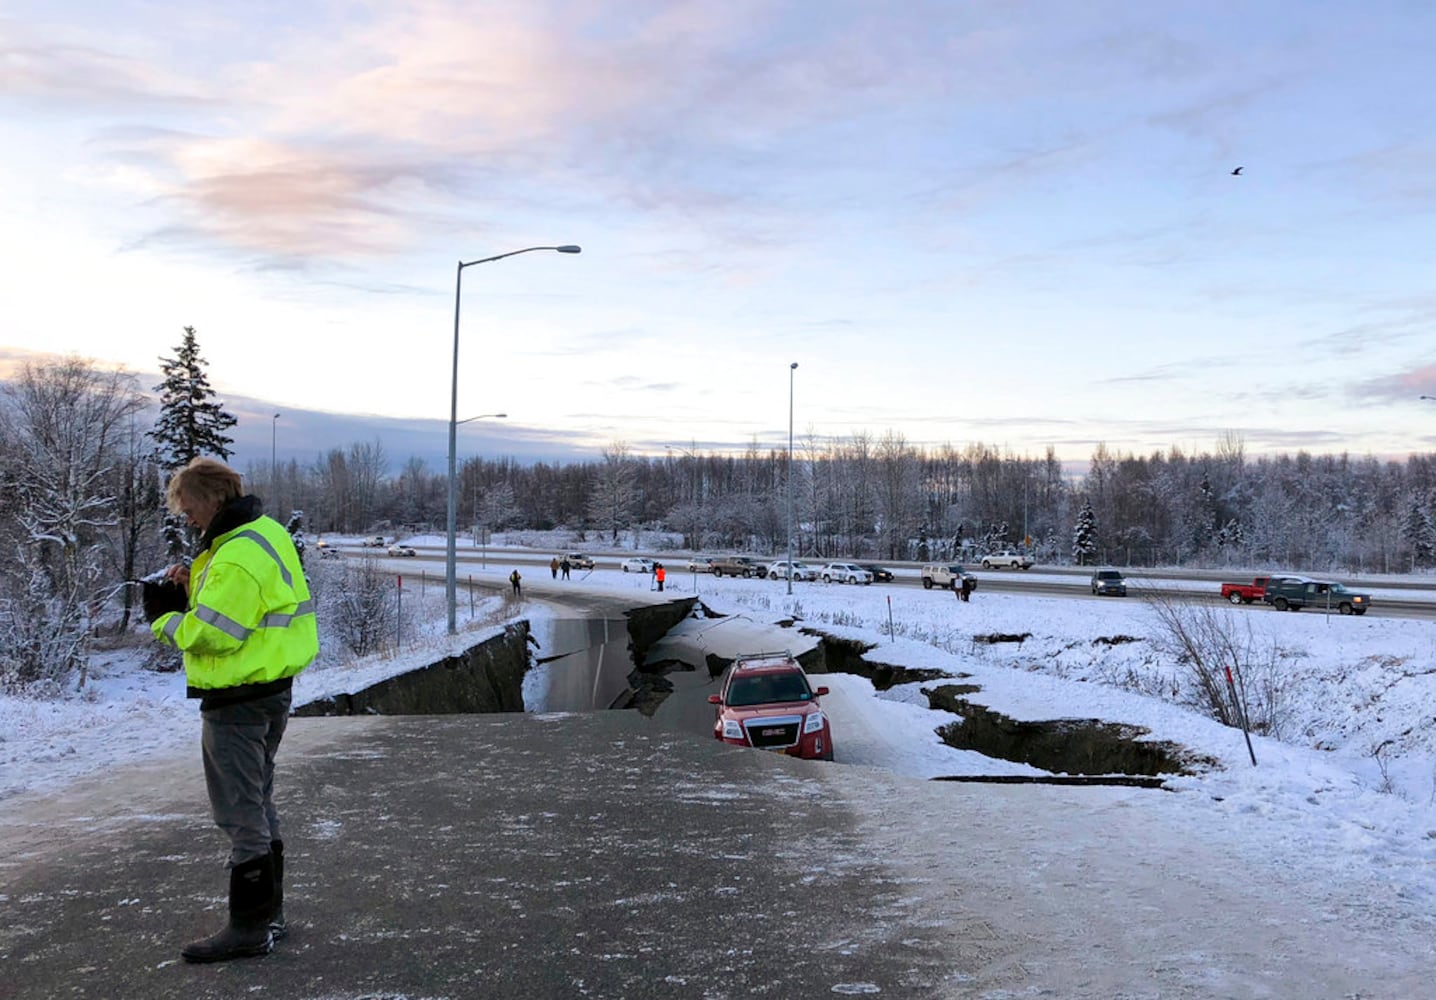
801	571
845	573
948	575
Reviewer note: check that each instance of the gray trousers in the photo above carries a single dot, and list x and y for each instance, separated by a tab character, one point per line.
239	744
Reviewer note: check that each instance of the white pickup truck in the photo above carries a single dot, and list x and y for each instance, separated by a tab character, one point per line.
1007	559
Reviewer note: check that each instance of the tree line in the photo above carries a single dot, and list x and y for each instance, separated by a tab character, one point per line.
85	452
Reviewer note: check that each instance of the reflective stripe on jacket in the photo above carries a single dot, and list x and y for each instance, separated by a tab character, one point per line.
250	618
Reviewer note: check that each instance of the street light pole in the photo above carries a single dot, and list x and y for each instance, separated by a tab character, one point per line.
481	416
451	556
273	472
791	368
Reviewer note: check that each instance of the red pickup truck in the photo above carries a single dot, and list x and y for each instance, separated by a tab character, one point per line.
1245	593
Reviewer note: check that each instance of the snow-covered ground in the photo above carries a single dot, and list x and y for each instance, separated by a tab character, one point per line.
1348	784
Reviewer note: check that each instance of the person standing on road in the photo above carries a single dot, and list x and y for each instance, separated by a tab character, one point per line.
659	575
241	614
553	567
514	579
565	566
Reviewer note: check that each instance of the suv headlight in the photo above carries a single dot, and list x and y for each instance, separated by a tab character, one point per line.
732	729
813	723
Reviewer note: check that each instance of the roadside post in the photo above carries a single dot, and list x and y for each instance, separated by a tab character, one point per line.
1241	714
892	633
399	618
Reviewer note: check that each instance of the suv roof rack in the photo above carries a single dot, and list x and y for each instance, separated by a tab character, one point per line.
752	659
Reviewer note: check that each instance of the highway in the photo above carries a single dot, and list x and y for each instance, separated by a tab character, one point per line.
1400	598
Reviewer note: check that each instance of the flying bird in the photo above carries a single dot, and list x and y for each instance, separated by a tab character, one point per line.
1237	172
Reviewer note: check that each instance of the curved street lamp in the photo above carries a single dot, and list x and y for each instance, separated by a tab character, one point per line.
791	368
451	558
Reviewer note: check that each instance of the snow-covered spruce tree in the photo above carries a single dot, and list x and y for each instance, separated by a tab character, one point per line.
1084	537
63	425
1420	534
191	423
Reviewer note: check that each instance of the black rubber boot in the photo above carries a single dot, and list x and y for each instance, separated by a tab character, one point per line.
251	897
278	926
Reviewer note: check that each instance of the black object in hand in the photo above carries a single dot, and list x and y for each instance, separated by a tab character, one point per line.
160	597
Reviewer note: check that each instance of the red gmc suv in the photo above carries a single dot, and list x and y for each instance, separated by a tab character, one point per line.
767	702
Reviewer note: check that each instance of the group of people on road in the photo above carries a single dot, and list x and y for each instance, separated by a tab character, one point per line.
557	566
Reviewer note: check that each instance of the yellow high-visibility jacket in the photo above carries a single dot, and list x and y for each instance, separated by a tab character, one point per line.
250	619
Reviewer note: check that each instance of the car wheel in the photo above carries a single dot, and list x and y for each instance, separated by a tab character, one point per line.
986	564
1280	604
927	583
827	578
1235	598
1094	591
853	580
1344	608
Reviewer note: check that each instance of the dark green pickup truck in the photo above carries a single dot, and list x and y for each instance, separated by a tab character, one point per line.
1292	593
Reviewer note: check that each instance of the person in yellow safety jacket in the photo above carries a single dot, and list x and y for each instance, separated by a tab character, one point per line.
247	627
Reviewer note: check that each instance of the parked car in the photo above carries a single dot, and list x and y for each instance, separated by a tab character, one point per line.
949	575
1247	593
402	550
373	542
766	701
881	574
1108	583
801	571
845	573
736	566
329	552
636	564
1007	559
700	564
577	560
1294	593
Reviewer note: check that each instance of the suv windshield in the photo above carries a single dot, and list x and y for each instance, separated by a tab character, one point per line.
763	688
1109	574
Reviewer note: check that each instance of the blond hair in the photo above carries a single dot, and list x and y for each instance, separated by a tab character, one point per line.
204	479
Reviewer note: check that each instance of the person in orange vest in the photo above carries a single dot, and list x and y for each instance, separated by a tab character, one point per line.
658	574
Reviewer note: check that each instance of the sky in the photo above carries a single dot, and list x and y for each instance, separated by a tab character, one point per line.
1012	223
1323	847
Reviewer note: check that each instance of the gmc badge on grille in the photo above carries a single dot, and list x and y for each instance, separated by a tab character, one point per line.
772	732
